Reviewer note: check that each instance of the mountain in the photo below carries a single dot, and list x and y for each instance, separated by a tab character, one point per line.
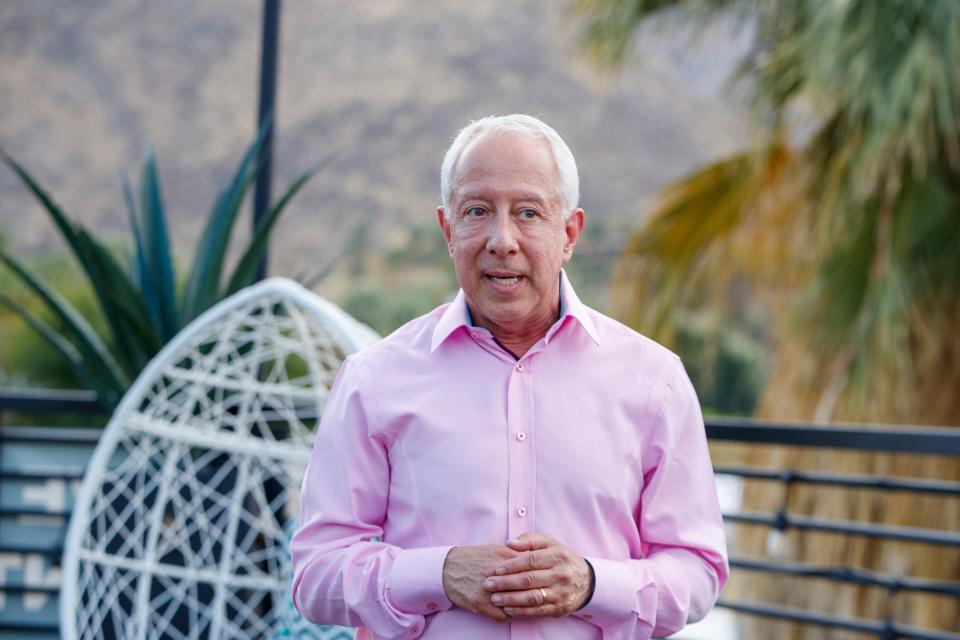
379	86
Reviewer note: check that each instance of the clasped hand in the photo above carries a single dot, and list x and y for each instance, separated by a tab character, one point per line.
532	576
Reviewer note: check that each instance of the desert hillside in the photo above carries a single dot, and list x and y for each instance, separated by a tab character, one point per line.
378	86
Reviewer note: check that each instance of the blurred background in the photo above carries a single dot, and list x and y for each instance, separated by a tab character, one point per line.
772	189
376	89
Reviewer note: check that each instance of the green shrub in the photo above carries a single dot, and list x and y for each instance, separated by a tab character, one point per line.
726	364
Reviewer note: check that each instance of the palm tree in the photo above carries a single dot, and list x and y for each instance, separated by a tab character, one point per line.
842	223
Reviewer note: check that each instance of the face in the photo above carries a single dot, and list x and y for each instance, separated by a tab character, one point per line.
506	232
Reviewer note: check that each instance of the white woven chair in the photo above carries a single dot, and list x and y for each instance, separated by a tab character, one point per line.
182	524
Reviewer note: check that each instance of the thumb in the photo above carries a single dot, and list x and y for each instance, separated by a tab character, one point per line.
530	542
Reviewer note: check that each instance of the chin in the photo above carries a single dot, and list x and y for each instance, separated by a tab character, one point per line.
505	313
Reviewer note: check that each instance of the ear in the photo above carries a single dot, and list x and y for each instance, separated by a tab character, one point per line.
572	227
445	227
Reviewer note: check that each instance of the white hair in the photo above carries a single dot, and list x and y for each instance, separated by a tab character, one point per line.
568	186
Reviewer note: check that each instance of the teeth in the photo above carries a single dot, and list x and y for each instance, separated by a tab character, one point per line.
510	280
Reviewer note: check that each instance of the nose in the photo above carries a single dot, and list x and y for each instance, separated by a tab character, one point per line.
502	239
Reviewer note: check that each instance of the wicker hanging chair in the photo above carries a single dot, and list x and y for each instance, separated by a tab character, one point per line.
182	524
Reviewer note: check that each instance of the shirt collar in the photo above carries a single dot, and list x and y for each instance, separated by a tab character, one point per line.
454	317
570	305
457	314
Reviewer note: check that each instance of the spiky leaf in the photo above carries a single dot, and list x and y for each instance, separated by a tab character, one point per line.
77	364
87	341
203	286
246	270
157	248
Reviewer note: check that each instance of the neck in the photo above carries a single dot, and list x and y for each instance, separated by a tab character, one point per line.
517	337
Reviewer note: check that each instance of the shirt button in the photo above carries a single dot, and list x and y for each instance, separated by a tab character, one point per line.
432	606
519	366
521	436
522	512
414	630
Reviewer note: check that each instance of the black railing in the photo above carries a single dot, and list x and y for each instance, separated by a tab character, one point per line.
47	401
33	534
920	440
913	440
936	440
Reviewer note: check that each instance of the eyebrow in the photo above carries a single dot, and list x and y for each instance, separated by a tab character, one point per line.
472	196
524	196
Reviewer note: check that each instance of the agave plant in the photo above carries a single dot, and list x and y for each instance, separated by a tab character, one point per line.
142	304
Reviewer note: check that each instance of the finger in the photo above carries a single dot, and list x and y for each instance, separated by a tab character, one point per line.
527	561
543	611
494	612
532	541
531	598
520	581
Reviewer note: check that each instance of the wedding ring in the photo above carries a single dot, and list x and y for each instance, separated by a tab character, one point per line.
543	592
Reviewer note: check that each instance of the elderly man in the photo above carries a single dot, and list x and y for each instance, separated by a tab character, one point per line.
512	464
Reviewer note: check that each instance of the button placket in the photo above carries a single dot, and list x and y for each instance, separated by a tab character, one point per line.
521	463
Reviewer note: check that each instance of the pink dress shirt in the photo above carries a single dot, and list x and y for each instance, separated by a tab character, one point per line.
436	436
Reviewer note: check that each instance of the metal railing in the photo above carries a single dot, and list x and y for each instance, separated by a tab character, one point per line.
920	440
32	535
49	401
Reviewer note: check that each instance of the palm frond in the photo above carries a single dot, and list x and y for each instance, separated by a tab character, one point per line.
674	257
610	26
887	69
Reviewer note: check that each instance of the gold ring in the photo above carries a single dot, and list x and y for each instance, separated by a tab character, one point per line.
543	592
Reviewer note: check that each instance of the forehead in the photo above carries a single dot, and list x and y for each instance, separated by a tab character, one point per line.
507	161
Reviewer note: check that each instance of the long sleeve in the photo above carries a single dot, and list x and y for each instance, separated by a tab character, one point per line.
684	563
341	574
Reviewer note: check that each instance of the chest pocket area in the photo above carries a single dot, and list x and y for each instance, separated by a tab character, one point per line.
450	474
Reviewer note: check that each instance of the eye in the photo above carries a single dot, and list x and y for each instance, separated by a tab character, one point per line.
474	212
528	214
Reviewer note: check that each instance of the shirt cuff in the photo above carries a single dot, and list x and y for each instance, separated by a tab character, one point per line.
415	583
619	596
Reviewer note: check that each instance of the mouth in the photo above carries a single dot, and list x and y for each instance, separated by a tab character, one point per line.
504	278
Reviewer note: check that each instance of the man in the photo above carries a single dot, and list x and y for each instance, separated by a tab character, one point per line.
513	464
